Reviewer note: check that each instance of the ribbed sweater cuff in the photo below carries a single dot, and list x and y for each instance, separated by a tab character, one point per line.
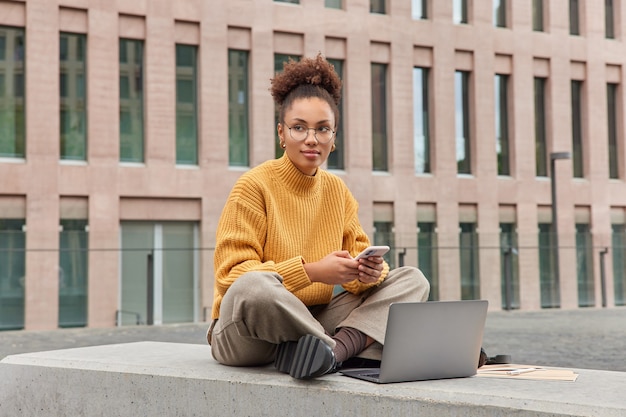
293	273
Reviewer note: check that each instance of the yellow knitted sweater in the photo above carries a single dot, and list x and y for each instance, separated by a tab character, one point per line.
276	219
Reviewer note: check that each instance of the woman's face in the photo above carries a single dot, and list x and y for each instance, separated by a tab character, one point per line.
314	113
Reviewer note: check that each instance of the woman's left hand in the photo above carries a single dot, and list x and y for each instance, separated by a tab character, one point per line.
370	269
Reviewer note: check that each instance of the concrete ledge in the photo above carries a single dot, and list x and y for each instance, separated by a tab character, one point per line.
155	378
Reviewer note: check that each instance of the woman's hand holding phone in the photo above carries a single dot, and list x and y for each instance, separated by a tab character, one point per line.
372	251
370	270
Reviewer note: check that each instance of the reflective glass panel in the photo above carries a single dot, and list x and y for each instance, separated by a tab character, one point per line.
12	273
468	251
612	125
186	105
421	121
238	108
541	147
618	251
502	123
379	117
461	100
427	256
131	101
584	266
336	158
549	287
509	262
333	4
12	103
73	116
73	271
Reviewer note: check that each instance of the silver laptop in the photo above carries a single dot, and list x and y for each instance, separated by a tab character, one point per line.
429	340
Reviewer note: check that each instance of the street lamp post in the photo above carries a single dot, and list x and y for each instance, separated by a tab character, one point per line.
557	279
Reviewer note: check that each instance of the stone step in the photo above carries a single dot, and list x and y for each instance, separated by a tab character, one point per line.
174	379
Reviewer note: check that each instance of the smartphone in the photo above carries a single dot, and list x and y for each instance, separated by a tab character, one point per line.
373	251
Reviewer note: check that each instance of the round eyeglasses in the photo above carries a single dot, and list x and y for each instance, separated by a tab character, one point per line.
323	134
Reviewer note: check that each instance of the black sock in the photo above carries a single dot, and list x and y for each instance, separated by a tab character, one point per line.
350	342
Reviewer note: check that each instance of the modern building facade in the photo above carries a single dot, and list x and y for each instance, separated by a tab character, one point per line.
483	139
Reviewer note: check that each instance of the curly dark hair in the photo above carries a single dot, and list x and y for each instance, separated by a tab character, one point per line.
309	77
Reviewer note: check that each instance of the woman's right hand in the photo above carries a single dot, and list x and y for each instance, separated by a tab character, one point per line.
336	268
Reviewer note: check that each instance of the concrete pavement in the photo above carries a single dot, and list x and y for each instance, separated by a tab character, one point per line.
585	338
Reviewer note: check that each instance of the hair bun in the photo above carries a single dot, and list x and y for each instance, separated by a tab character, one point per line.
312	71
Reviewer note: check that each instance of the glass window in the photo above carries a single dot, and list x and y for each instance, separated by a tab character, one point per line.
584	263
383	235
499	13
18	85
63	90
279	61
427	256
124	87
186	105
462	123
538	15
12	103
574	18
377	6
549	287
509	266
502	124
421	121
131	101
459	11
379	117
137	245
3	43
618	251
64	47
612	112
468	251
12	273
609	19
73	116
577	128
73	271
168	250
419	9
337	157
541	149
238	109
333	4
179	276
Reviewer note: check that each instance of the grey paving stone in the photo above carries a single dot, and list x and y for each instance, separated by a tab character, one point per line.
584	338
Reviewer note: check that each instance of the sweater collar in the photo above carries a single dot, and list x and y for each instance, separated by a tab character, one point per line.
294	179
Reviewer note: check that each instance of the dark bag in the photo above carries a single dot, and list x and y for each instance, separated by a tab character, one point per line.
483	359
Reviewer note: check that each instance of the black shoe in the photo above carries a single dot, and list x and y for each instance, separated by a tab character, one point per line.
284	356
310	358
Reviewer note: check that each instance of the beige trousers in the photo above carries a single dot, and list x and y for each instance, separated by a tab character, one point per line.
257	313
